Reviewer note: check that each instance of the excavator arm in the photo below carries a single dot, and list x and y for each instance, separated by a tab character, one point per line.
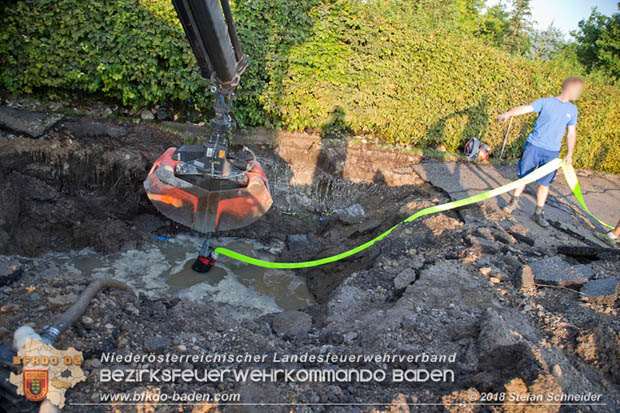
210	28
211	31
205	187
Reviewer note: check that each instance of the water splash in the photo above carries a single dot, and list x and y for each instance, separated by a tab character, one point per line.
163	268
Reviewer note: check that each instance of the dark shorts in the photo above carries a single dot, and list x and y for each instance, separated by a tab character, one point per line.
532	158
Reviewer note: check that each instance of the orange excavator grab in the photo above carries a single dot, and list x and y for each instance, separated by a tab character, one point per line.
218	205
207	187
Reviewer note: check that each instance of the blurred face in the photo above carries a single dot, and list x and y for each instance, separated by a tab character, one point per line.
574	90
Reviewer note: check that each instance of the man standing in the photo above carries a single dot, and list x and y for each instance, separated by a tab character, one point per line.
555	116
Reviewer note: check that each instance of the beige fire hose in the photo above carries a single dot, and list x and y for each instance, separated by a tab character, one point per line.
52	332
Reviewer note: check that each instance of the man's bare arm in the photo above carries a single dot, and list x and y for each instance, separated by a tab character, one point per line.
518	111
571	139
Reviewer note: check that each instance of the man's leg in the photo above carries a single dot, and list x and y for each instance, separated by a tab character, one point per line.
612	237
518	191
514	202
541	198
541	195
526	164
543	156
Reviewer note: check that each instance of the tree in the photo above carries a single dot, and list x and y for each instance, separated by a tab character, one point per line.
545	44
589	33
509	28
517	40
494	24
469	14
598	43
451	15
609	46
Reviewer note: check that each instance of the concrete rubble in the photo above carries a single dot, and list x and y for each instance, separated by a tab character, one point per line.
555	271
602	291
488	288
33	124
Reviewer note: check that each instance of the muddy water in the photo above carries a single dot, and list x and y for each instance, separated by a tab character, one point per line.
162	267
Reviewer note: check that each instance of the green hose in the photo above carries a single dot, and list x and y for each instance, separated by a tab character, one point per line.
546	169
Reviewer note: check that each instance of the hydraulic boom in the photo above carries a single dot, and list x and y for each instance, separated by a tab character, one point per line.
207	187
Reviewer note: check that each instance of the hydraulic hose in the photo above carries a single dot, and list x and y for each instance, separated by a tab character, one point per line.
51	333
232	31
569	174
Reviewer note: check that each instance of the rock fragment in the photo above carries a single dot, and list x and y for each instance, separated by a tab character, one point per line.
62	300
519	232
524	280
404	278
162	114
10	270
297	241
33	124
147	115
604	291
494	234
555	271
351	214
292	323
84	128
482	245
156	344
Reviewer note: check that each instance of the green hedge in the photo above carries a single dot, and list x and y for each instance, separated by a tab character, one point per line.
130	50
368	68
135	51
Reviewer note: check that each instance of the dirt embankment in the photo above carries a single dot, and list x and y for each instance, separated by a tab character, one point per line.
79	185
440	285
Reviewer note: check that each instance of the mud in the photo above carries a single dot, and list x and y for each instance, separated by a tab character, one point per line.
444	284
161	267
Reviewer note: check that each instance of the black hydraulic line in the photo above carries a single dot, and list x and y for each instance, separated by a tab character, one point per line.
208	33
51	333
232	31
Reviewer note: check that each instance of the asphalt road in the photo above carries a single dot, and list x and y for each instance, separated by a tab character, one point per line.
601	193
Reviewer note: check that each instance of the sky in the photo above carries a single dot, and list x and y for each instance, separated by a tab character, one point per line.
565	14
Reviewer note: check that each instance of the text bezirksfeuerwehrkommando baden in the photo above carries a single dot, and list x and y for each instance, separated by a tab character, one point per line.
257	375
331	373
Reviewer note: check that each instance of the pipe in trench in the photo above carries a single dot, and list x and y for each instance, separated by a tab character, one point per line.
52	332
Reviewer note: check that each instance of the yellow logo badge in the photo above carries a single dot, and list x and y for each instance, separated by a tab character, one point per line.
47	372
36	384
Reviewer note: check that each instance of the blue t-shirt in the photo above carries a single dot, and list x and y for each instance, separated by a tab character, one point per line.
553	118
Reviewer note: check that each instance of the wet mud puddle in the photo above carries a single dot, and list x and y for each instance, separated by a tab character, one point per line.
162	267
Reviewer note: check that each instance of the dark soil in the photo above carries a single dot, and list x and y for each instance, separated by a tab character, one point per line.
78	186
438	285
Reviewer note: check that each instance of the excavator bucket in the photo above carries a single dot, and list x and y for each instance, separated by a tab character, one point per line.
209	204
201	187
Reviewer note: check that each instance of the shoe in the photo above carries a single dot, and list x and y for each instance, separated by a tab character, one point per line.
540	220
603	236
514	204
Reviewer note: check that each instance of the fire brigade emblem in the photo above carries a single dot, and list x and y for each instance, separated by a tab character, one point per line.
35	384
